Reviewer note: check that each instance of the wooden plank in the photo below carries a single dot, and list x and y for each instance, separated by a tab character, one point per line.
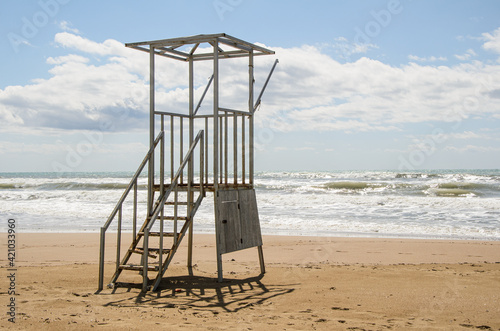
249	218
179	41
137	267
157	234
238	224
228	234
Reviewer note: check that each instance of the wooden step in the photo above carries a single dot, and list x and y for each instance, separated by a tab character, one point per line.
157	234
141	251
156	250
181	187
171	203
171	218
137	267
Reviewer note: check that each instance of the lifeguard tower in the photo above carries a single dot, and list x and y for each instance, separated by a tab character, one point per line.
195	153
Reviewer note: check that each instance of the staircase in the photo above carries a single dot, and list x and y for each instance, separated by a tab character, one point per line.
152	248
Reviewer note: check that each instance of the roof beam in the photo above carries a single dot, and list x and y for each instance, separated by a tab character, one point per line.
253	46
234	44
167	47
163	50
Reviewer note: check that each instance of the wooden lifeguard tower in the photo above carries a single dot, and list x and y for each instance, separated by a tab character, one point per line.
190	166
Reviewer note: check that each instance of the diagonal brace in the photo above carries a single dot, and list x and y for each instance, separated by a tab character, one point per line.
265	85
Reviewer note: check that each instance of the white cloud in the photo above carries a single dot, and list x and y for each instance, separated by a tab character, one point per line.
427	59
105	81
441	136
67	59
492	41
473	148
345	49
467	55
466	135
60	147
8	147
318	92
66	26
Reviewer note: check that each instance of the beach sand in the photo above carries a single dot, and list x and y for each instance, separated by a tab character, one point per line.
311	283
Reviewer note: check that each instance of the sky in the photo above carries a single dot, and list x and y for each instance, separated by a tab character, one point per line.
360	85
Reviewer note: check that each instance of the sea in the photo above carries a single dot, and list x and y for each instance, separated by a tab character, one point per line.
433	204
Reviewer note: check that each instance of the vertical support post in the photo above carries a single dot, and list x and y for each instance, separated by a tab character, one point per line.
134	224
216	152
119	238
221	149
145	254
206	150
101	259
250	109
162	157
160	252
171	148
181	143
243	150
261	260
202	165
162	191
176	209
235	149
226	170
151	165
190	164
216	114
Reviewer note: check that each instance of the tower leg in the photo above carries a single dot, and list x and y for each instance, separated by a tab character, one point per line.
261	260
219	268
190	249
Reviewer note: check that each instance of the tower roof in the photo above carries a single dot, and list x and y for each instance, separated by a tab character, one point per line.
184	47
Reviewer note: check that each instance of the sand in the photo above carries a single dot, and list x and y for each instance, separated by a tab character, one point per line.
311	283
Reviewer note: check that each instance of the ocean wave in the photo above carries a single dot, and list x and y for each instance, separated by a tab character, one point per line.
10	186
452	192
68	186
463	185
427	187
352	185
416	175
462	204
87	186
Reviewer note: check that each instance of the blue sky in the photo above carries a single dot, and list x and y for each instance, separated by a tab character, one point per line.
360	85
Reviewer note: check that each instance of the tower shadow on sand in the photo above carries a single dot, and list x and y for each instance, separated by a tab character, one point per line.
202	293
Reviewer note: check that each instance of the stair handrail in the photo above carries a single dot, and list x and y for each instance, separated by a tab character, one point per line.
134	179
118	207
175	179
161	201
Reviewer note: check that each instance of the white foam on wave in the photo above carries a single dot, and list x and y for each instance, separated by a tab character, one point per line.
376	204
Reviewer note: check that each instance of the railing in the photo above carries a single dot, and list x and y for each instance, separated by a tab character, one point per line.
119	209
234	138
192	207
231	130
158	209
